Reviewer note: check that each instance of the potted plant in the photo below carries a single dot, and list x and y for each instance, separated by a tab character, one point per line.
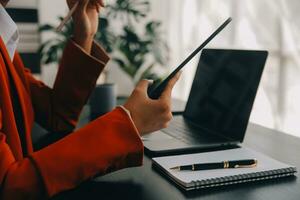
137	48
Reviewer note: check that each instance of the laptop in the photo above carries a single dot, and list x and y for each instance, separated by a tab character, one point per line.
219	104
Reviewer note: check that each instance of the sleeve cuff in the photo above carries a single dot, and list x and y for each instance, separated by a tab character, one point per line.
98	53
129	115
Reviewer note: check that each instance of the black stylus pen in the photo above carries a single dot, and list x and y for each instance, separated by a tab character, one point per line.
219	165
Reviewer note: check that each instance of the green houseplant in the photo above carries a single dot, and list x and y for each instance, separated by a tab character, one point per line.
137	51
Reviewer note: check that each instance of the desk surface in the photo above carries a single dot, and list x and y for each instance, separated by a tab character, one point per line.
146	183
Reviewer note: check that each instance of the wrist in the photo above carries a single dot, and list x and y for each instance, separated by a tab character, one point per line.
132	117
84	42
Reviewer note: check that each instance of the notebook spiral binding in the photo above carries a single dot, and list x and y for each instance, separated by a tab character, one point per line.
243	178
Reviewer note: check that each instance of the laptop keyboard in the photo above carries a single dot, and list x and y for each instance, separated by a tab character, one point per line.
182	131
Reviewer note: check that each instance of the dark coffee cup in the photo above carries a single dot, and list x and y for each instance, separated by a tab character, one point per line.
102	100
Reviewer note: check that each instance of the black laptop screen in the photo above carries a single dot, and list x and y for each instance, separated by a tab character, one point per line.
224	90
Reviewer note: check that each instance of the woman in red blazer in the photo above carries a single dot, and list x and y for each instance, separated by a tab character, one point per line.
109	143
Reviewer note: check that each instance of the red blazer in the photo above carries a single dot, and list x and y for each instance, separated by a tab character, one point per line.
108	143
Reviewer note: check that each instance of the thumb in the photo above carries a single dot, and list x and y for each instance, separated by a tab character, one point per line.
168	90
143	85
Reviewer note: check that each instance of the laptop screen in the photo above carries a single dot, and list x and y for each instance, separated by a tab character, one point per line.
224	90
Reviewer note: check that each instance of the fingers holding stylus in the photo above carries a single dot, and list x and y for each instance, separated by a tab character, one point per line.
95	3
98	4
101	3
83	4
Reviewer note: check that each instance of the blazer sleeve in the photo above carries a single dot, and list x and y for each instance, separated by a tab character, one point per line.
106	144
58	109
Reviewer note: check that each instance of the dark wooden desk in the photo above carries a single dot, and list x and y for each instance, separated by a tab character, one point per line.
146	183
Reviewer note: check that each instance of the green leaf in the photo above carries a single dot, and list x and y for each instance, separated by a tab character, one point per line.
147	71
105	36
46	50
46	27
128	68
129	9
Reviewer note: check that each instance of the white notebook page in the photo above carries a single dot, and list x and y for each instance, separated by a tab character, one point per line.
265	163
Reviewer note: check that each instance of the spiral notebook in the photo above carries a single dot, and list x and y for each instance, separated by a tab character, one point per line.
267	168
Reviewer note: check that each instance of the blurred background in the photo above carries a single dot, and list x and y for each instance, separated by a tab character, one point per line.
149	38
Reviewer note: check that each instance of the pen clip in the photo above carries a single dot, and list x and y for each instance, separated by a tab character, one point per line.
247	166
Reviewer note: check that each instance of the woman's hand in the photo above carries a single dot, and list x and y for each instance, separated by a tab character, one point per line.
86	18
150	115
